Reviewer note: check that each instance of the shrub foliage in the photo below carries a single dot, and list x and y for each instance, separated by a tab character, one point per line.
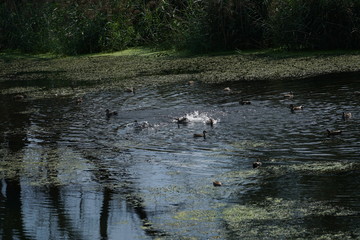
88	26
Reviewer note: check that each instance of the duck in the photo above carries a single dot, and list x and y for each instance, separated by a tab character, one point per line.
79	100
210	122
19	97
227	89
333	132
217	184
191	83
244	102
198	135
182	120
346	115
288	95
130	89
257	164
141	125
110	113
295	108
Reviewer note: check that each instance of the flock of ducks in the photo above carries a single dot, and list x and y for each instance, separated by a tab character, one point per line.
293	108
210	121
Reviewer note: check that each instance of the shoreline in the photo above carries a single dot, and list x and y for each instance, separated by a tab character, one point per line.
138	70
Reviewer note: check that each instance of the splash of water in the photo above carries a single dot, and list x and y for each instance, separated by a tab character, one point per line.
199	117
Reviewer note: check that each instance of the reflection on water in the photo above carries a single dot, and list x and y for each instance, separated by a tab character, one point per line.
69	172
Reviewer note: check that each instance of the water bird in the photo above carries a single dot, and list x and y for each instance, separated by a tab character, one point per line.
217	183
110	113
257	164
288	95
79	100
130	89
333	132
227	89
191	83
182	120
346	115
210	122
141	125
244	102
197	135
295	108
19	97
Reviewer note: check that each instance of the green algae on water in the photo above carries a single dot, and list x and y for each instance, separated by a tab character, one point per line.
278	218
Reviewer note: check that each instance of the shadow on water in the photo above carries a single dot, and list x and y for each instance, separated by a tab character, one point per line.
70	172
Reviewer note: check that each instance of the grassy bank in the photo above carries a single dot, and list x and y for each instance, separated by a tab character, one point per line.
143	66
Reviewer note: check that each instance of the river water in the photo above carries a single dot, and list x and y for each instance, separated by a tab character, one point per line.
67	171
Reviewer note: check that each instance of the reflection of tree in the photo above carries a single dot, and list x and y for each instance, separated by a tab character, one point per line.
11	214
14	131
105	176
65	223
51	122
104	215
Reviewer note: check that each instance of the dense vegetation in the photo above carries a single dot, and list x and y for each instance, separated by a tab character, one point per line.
88	26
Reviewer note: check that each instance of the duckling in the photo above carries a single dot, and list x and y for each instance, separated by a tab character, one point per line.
244	102
110	113
288	95
217	184
257	164
182	120
197	135
346	116
333	132
210	122
295	108
130	90
19	97
79	100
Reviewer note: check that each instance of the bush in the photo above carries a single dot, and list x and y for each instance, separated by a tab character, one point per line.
88	26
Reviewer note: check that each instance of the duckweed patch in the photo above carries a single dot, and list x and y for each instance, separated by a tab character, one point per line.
315	168
278	218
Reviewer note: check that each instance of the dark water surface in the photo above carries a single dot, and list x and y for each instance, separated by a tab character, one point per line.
69	172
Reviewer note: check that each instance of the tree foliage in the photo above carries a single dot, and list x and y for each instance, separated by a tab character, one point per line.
87	26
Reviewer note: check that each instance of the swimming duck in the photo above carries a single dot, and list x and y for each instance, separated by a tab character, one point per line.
288	95
346	116
244	102
19	97
257	164
217	183
227	89
333	132
141	125
182	120
79	100
197	135
130	89
295	108
210	122
110	113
